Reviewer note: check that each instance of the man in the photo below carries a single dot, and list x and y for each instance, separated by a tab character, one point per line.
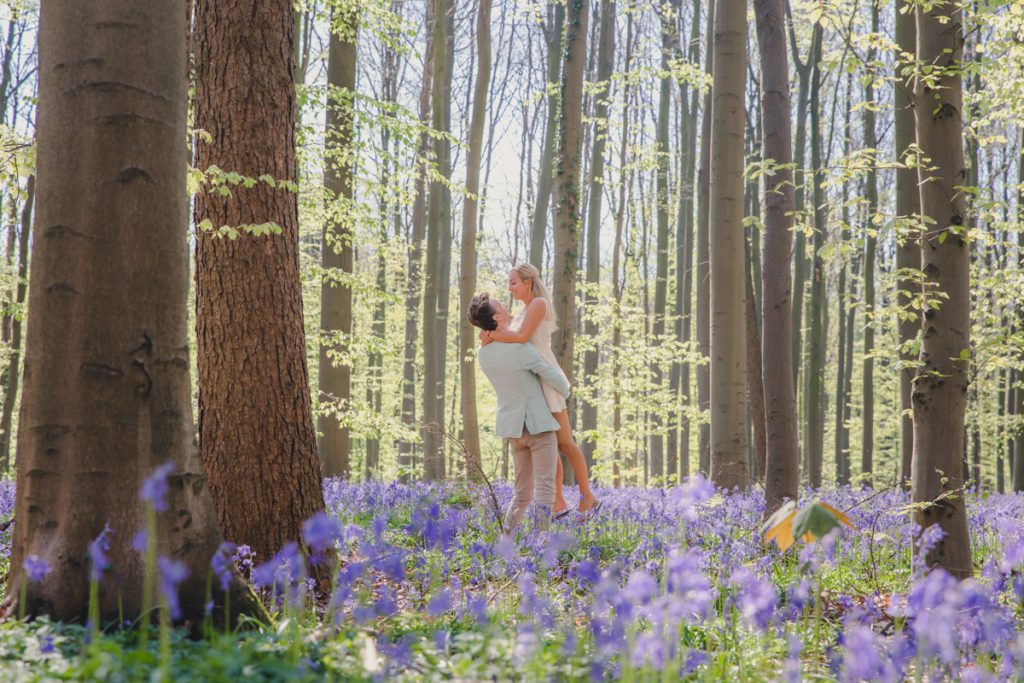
523	415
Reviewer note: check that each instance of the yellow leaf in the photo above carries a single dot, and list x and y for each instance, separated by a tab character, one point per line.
840	515
782	533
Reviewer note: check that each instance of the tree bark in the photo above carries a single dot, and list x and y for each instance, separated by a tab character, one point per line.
1018	444
546	174
467	333
755	372
434	332
908	251
256	431
940	386
870	242
782	463
703	317
728	296
337	250
567	183
814	440
14	367
106	397
605	67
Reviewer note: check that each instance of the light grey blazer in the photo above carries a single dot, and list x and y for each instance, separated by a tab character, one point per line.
513	370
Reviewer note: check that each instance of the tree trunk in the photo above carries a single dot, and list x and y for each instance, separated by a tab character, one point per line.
755	374
467	336
546	174
406	448
870	241
668	55
605	67
337	252
782	462
567	183
1018	444
908	251
434	330
703	316
106	397
14	368
941	384
814	440
728	295
256	431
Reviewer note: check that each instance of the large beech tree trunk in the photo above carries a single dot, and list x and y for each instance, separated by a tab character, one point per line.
940	387
728	291
106	397
467	274
567	183
255	421
337	252
782	461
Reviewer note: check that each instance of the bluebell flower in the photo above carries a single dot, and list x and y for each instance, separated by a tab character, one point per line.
440	602
172	573
155	488
140	541
98	549
221	564
320	532
282	570
35	568
47	647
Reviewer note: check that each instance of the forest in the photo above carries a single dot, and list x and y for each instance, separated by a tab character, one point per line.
531	340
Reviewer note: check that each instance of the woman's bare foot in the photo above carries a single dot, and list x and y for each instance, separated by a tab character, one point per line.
587	503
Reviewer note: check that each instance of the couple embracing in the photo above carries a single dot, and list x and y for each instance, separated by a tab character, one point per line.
516	357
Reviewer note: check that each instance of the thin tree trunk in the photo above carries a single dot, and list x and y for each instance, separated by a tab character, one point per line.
870	241
467	270
754	373
256	430
107	396
14	368
941	383
908	251
1018	445
703	316
814	440
567	185
434	333
728	296
406	448
782	461
546	174
337	253
605	67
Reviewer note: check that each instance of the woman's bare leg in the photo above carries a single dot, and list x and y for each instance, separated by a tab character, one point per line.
568	445
560	503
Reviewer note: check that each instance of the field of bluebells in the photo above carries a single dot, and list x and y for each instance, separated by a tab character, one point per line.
659	585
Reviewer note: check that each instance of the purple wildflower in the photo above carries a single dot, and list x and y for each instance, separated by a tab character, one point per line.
98	549
155	487
221	564
320	532
172	573
35	568
140	541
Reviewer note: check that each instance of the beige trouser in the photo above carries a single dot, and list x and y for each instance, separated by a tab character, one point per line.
534	458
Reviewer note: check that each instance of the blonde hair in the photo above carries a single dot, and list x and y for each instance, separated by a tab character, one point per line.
528	272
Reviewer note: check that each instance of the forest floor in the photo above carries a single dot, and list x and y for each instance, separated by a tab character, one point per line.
659	585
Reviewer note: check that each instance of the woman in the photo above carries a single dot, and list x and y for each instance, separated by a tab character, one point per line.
534	324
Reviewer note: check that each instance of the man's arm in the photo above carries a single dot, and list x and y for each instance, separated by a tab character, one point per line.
545	370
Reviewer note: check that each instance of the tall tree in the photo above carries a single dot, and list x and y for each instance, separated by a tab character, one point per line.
605	67
782	464
336	248
553	30
438	226
1018	408
940	387
908	253
14	368
818	332
413	288
728	291
870	243
703	270
567	182
467	272
106	397
256	431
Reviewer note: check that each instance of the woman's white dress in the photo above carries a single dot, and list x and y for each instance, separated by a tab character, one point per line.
541	340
